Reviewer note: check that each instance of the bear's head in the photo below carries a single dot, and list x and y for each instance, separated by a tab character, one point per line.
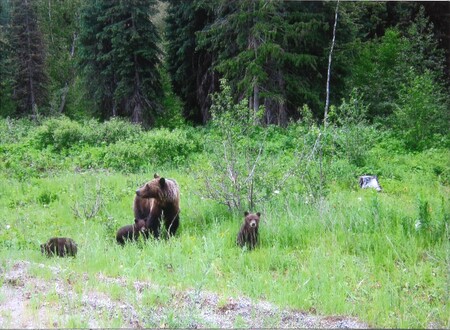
252	220
164	190
139	225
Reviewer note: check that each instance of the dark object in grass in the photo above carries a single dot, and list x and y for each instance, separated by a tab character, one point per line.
59	246
369	181
131	232
248	235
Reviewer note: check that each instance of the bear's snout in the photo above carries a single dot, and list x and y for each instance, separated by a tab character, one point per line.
138	192
253	224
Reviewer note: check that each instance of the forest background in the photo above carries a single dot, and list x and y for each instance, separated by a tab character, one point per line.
230	98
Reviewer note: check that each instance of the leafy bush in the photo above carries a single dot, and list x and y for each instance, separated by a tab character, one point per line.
245	164
112	131
58	133
62	133
59	143
14	130
352	134
149	149
421	117
382	65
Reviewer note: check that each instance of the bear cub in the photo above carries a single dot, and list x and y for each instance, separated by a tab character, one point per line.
131	232
59	246
248	235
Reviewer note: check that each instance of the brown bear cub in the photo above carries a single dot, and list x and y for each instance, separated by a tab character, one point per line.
248	235
131	232
59	246
156	201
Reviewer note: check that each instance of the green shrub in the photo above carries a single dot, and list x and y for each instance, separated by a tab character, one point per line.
15	130
421	117
352	134
58	133
113	130
62	133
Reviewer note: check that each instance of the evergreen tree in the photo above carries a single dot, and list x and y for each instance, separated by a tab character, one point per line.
120	55
191	72
30	89
272	53
7	107
384	64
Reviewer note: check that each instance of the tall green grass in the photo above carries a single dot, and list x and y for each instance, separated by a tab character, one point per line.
382	257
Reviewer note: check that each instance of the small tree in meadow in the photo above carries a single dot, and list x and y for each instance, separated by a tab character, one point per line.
235	176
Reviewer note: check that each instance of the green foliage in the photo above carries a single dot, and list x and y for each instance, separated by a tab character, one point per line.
59	25
7	105
30	77
387	251
421	117
61	143
234	175
173	114
352	134
263	48
120	57
62	133
385	64
189	67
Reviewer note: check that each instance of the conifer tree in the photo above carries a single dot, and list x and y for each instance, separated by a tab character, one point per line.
270	52
192	75
6	63
30	89
120	55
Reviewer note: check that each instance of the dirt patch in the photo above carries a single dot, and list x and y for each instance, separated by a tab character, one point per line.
30	302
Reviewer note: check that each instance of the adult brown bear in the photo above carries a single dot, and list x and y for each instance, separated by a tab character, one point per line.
157	200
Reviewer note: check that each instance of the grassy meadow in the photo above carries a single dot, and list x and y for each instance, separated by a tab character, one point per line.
381	257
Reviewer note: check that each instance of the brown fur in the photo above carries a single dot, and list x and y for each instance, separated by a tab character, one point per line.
131	232
248	235
59	246
157	200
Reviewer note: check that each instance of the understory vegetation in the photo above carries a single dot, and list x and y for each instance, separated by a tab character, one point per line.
267	106
326	246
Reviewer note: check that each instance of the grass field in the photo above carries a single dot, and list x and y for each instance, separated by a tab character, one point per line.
381	257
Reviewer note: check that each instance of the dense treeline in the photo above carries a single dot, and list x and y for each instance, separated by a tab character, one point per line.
133	59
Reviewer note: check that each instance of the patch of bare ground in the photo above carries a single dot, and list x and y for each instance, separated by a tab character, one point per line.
27	301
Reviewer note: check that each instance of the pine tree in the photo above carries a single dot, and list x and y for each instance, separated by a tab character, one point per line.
190	68
31	80
271	53
7	107
120	55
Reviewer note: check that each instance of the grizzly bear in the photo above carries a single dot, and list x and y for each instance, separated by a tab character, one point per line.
248	235
59	246
157	200
131	232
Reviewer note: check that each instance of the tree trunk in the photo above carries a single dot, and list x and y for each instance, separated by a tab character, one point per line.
327	102
255	98
63	98
32	97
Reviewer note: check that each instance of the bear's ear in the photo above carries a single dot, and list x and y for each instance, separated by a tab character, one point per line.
258	214
246	213
156	176
162	182
136	221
